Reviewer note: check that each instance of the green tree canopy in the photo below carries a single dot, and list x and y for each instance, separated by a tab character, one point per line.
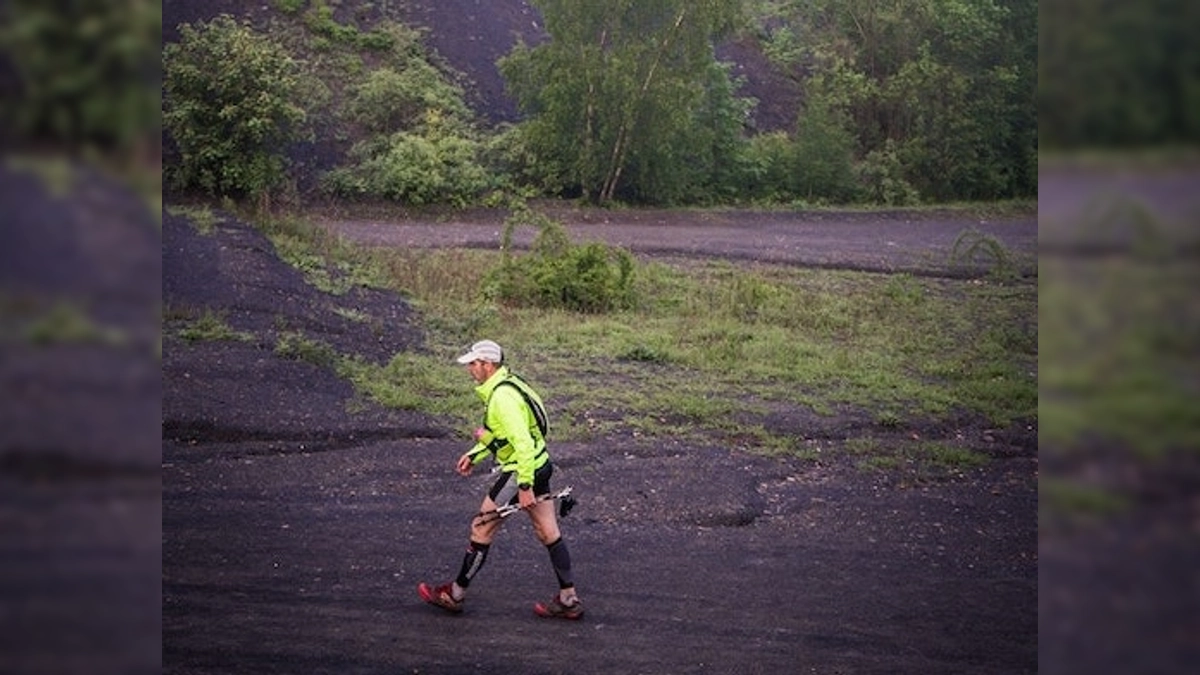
230	107
86	71
945	87
1118	74
615	96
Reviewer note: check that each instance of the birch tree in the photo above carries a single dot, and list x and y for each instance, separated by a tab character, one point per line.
617	89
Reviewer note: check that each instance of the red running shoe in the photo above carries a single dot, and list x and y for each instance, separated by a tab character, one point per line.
556	609
440	597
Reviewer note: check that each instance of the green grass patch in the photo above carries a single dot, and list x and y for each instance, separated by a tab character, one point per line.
208	326
1119	337
1067	500
327	262
68	323
293	345
708	339
921	460
201	217
419	382
702	351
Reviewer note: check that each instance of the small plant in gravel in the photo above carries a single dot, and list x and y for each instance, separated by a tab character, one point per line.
352	314
974	247
201	217
889	419
211	326
297	346
68	323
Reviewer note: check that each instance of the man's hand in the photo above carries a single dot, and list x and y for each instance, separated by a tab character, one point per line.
526	498
464	465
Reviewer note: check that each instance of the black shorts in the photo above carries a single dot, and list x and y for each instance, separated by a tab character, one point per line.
504	490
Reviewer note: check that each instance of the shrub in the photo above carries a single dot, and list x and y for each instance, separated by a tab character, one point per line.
83	73
824	152
390	100
230	108
414	169
767	159
590	278
882	175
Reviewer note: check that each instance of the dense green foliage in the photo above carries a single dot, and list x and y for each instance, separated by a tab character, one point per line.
815	164
85	73
916	100
418	142
556	274
625	98
231	107
911	101
412	168
1118	74
938	94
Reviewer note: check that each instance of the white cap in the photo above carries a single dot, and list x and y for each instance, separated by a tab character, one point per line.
484	350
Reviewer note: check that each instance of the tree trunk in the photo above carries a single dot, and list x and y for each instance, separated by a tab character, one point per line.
621	145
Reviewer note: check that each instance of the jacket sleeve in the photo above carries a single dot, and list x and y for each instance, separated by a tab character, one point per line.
478	453
509	419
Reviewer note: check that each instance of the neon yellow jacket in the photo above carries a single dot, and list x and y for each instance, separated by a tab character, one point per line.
512	429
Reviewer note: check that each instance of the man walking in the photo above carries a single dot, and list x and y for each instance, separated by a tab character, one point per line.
513	432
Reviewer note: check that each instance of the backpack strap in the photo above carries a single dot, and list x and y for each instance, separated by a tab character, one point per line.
539	413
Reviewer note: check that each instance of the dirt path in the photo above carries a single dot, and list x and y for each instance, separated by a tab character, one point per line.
879	242
290	561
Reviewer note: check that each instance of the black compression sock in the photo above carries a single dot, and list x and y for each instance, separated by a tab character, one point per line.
560	558
472	563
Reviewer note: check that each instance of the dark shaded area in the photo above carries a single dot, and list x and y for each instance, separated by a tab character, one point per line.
80	396
224	390
252	290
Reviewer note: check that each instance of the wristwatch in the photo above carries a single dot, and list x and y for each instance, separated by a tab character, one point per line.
523	486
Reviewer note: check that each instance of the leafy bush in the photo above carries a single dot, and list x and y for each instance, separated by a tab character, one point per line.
882	175
230	108
767	157
511	156
824	152
815	166
420	147
391	100
84	72
412	168
591	278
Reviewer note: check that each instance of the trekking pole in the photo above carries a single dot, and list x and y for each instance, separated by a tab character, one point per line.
567	502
